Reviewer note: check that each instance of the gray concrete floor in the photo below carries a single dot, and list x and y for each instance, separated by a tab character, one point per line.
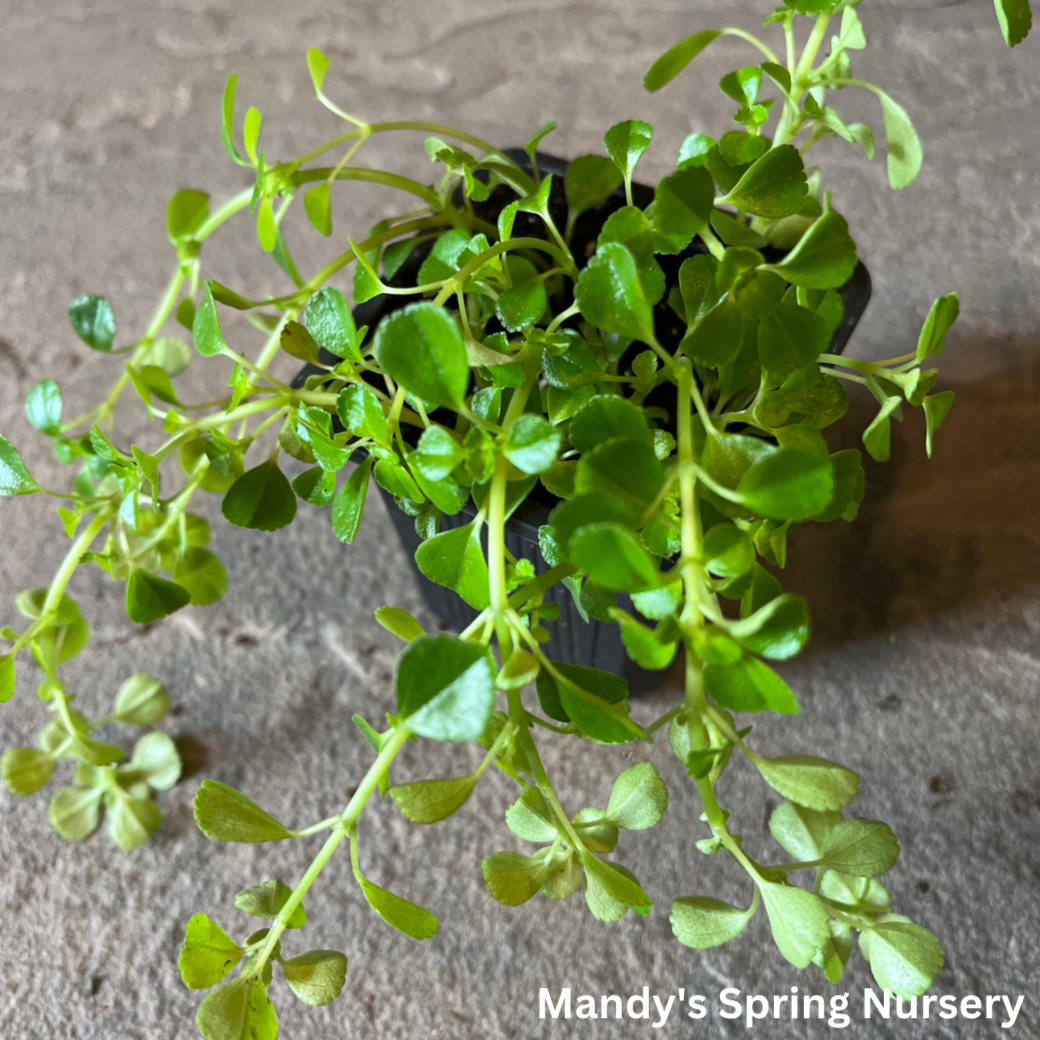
924	671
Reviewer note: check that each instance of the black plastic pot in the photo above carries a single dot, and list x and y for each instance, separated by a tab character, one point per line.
573	640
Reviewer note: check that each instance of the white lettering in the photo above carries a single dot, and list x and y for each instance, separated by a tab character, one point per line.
949	1006
870	997
664	1010
605	1001
839	1004
911	1013
586	1007
755	1001
698	1009
545	1003
971	1006
1012	1011
642	999
726	999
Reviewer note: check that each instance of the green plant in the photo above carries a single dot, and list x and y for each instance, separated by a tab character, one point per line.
680	469
1015	18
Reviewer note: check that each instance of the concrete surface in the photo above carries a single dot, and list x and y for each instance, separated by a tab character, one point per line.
924	671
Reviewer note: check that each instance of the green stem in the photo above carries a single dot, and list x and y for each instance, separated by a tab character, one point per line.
346	822
71	562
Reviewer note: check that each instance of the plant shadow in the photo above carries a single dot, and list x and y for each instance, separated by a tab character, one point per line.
932	535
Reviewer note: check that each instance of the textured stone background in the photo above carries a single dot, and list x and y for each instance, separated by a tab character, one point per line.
924	671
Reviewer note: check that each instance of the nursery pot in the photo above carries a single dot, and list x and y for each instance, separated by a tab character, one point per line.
574	640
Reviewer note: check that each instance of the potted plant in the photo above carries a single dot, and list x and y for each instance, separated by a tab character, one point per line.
655	367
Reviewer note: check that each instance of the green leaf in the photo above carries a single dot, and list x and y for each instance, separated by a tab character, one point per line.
790	338
421	348
777	631
445	688
824	257
802	832
317	204
93	321
155	760
789	485
626	143
694	150
716	339
530	818
14	477
266	901
531	147
610	295
936	408
701	922
393	477
773	187
683	202
904	147
208	953
261	499
1015	18
202	574
512	878
238	1010
428	801
399	623
141	700
532	444
621	887
809	781
522	306
742	85
406	917
932	341
673	61
604	418
748	685
350	503
624	468
641	644
223	814
7	677
317	976
131	821
614	556
297	342
520	669
590	180
726	551
25	770
904	957
227	126
595	701
877	437
778	74
75	812
455	560
187	212
330	322
638	799
205	328
318	67
43	407
149	598
361	413
251	126
862	848
799	921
